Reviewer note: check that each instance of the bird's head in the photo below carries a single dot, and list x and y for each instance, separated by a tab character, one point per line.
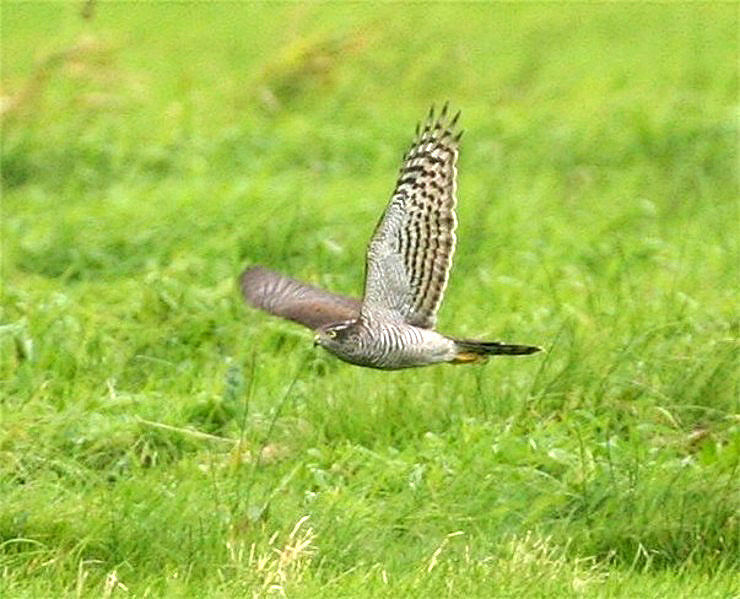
334	336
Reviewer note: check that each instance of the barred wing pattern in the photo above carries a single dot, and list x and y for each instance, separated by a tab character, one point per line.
300	302
410	255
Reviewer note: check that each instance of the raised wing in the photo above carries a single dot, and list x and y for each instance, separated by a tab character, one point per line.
300	302
410	254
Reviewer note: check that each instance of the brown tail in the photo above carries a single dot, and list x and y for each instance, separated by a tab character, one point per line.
478	351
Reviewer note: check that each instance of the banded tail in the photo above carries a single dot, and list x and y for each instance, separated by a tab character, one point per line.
478	351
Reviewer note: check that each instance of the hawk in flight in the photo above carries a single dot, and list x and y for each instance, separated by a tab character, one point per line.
407	266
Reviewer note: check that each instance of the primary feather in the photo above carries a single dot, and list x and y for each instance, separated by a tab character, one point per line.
410	255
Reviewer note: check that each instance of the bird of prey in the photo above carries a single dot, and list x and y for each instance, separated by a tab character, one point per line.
407	266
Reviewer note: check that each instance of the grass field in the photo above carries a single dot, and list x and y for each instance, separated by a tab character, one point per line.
158	438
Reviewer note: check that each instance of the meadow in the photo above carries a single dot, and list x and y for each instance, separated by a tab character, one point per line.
158	438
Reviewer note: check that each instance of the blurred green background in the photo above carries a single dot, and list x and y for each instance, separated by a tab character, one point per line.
159	437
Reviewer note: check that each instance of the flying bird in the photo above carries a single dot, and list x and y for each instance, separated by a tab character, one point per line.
407	266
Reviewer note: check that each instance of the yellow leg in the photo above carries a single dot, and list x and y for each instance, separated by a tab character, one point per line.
468	357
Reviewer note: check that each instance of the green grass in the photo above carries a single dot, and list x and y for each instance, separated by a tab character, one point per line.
157	434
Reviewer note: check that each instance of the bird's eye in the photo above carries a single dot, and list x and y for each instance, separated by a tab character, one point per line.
331	334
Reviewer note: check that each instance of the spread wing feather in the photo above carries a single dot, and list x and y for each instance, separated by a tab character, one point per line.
300	302
410	254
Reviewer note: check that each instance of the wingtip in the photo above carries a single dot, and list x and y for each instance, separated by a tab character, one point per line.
249	271
254	269
249	275
455	118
